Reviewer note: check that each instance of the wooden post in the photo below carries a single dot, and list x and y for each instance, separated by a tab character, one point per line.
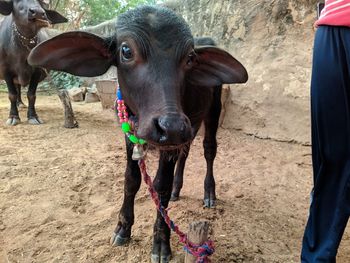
198	234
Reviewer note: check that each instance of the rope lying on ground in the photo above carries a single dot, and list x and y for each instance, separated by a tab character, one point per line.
201	252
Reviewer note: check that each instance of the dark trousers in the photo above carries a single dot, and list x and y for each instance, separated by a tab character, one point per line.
330	116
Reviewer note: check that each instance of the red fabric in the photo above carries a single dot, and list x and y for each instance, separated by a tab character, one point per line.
335	13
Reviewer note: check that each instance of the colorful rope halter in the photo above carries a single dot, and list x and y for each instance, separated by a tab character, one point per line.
201	252
124	120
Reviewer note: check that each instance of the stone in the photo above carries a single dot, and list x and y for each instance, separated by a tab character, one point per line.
91	97
107	92
84	90
76	94
92	89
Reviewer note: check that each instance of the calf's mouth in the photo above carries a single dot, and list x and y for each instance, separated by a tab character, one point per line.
40	22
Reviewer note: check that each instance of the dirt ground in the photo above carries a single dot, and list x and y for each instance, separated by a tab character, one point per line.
61	190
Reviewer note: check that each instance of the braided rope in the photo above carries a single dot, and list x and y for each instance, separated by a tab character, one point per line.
201	252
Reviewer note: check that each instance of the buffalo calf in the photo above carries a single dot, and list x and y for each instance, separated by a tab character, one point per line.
170	86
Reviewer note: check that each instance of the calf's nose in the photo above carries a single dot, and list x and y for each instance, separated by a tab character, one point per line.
36	12
173	129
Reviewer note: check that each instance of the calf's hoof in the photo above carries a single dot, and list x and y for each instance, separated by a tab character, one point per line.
13	121
209	203
71	124
174	197
117	240
35	121
160	259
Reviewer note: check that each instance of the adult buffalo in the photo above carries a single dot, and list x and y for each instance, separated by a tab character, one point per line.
19	34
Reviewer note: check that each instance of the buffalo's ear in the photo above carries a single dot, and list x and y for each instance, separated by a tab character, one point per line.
55	17
214	67
78	53
6	7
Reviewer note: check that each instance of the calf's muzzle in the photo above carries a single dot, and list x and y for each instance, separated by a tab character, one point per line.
171	129
36	13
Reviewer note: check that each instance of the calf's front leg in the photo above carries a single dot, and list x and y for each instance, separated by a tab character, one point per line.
179	177
33	117
161	251
20	103
122	232
12	91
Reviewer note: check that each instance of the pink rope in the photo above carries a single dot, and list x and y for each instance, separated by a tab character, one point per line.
201	252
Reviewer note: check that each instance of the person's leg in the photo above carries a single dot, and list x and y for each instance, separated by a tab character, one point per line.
330	115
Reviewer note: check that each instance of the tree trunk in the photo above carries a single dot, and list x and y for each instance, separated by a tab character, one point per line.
69	119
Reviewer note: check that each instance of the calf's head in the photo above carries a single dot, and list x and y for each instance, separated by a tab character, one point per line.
30	15
154	53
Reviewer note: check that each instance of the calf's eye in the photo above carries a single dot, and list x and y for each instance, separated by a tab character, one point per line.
126	53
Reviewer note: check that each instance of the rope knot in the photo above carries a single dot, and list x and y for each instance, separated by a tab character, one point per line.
201	252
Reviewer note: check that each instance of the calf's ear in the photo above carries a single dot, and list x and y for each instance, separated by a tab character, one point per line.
214	66
6	7
78	53
55	17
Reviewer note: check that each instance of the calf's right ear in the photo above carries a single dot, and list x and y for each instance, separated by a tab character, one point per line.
78	53
6	7
55	17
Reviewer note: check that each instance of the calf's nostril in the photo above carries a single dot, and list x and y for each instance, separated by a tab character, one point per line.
183	128
161	129
163	139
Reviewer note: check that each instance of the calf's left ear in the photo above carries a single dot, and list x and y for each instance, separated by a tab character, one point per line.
55	17
78	53
214	67
6	7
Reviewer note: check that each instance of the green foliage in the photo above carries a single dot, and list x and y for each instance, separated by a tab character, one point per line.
81	13
61	80
98	11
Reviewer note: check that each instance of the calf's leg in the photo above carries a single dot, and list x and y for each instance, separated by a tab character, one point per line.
20	103
12	90
161	251
211	124
33	118
122	232
178	180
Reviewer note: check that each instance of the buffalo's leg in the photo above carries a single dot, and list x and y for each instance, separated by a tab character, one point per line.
69	118
122	232
20	103
178	180
161	251
211	123
31	114
12	90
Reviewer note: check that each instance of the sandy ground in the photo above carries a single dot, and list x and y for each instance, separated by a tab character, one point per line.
61	190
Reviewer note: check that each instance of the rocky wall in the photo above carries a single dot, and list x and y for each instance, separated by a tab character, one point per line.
273	39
